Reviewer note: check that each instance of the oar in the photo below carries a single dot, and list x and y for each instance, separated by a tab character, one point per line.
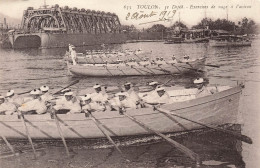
8	144
215	66
101	128
27	133
61	134
236	135
177	145
73	83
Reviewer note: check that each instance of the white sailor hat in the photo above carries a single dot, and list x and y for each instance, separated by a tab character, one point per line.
36	92
96	86
86	97
198	81
44	88
65	90
153	83
68	94
160	89
121	94
186	57
10	93
127	83
2	97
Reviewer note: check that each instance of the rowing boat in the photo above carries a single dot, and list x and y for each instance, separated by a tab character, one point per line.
218	109
122	69
101	58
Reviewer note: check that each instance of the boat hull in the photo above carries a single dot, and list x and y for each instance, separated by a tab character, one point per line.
218	109
103	70
214	43
56	40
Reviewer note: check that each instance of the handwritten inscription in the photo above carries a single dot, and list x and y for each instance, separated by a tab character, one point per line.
159	16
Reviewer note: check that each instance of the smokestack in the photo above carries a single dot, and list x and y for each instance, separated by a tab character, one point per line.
4	21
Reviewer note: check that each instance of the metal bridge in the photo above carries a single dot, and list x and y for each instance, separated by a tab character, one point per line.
69	20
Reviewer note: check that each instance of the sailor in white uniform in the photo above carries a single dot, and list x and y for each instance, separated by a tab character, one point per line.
90	106
98	96
13	98
6	108
152	93
35	106
125	102
131	94
162	97
46	96
173	61
73	55
202	89
145	62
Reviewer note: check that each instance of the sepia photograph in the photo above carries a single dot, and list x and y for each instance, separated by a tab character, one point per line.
129	84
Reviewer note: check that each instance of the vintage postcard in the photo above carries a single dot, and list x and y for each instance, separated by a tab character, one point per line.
129	83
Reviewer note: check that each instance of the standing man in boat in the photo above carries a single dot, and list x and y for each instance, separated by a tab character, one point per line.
73	55
90	106
6	108
35	106
202	89
98	96
69	103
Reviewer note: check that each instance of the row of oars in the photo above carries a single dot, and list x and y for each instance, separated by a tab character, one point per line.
102	128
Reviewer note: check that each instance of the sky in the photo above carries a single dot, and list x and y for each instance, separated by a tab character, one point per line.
129	12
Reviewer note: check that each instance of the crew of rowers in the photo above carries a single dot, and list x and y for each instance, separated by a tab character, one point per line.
145	61
41	101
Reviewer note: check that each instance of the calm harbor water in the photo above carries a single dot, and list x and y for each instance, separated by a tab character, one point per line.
23	70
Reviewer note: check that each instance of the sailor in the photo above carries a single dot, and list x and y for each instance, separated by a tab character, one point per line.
173	61
46	96
125	102
98	96
132	62
145	62
159	61
68	102
161	97
35	106
90	106
152	93
13	98
131	94
6	108
73	55
202	89
185	59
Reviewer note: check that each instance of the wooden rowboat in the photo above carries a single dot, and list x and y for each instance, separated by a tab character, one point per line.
125	70
218	109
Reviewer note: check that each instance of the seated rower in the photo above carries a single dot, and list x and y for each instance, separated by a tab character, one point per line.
186	59
145	62
160	61
125	102
202	89
132	62
98	96
162	97
46	96
90	106
68	103
35	106
173	61
13	98
131	94
6	108
151	93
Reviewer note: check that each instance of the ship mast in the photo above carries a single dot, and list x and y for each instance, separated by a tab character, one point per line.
44	4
